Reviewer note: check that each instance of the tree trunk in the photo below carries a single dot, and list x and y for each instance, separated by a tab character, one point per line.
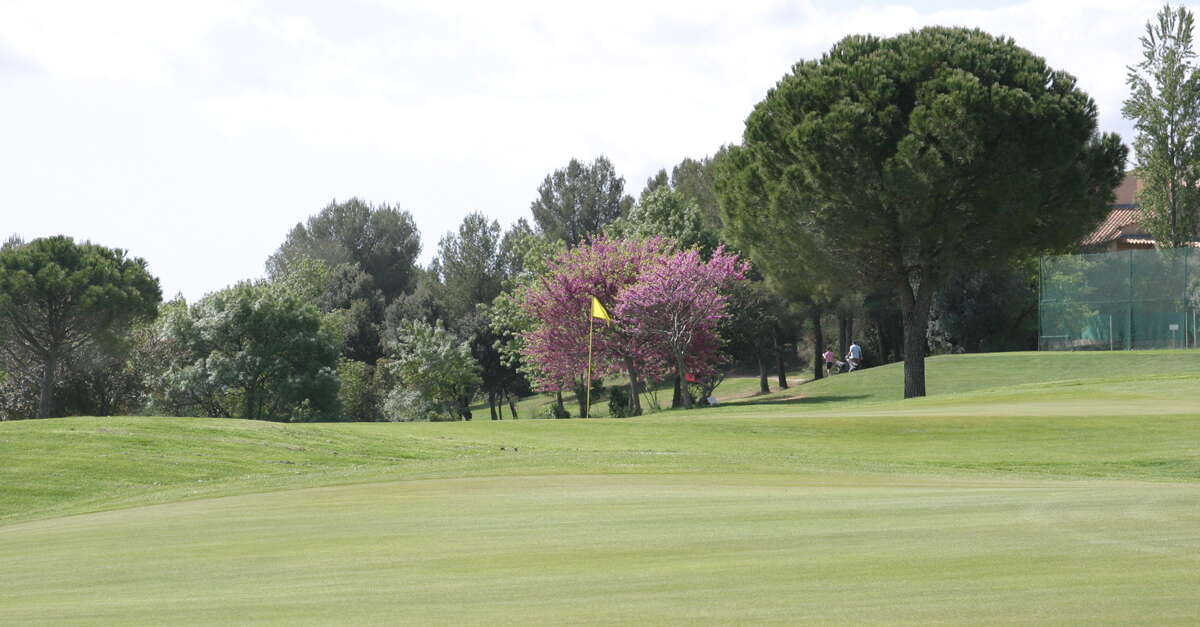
780	362
512	406
781	366
914	305
582	400
681	374
676	396
249	411
845	333
818	340
492	404
558	397
763	387
45	398
635	388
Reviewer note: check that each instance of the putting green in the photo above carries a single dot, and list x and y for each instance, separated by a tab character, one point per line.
623	550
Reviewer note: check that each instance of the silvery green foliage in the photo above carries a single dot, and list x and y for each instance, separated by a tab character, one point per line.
430	362
664	212
404	404
251	351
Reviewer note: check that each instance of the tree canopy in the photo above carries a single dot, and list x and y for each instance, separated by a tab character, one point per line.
382	240
470	264
253	351
939	149
58	298
664	212
1164	104
575	202
435	369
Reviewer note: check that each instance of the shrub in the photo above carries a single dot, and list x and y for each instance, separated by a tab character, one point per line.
553	410
618	401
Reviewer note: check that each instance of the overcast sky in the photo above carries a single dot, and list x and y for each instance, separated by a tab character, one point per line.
195	134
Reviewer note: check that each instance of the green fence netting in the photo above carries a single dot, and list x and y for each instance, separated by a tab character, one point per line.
1123	300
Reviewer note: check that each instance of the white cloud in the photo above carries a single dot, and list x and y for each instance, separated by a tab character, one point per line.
265	110
116	39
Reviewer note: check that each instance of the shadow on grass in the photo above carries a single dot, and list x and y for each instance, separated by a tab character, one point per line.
803	400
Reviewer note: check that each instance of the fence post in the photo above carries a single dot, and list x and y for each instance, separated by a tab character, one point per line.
1129	314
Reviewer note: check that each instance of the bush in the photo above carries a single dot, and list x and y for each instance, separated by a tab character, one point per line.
407	404
618	401
553	410
360	391
430	361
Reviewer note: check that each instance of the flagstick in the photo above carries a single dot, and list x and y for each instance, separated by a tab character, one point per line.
587	412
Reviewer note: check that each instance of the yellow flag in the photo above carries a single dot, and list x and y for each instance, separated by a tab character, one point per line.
598	310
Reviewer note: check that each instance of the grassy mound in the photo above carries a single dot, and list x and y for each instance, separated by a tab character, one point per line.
1025	488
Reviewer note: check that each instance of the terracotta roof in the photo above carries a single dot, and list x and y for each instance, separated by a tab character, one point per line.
1114	227
1126	192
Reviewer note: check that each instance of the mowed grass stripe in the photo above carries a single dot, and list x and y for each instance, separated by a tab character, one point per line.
1140	426
620	550
83	469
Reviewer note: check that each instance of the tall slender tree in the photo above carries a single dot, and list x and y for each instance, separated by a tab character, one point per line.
1164	104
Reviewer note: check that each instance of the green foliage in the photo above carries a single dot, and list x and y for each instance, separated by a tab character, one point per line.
553	410
60	300
754	311
660	179
307	277
664	212
383	241
435	371
989	310
1164	103
112	381
354	309
618	401
1067	292
783	248
695	180
427	302
470	264
528	255
251	351
360	390
907	158
575	202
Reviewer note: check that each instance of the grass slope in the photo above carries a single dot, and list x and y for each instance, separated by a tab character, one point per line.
1026	488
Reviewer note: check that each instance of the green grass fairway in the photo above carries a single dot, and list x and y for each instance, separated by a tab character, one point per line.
1028	488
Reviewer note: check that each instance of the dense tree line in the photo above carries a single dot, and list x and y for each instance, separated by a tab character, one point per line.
893	192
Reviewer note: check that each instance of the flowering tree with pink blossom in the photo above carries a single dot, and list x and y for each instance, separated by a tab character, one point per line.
665	306
560	303
676	303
